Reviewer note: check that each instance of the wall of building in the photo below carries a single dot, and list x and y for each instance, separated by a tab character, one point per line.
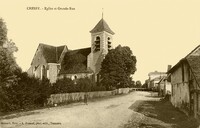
168	87
161	88
93	57
37	64
52	72
180	89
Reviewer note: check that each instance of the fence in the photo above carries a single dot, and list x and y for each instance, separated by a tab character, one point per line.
75	97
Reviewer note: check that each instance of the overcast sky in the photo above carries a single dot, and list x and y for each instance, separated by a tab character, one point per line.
159	32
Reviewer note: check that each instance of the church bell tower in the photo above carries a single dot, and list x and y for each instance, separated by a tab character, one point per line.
101	43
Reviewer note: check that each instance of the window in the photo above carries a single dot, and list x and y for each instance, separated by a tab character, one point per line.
48	73
75	77
43	72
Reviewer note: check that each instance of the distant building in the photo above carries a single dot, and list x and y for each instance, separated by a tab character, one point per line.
49	61
185	81
164	85
154	78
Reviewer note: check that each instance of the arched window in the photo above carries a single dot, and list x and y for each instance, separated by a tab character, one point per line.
97	43
75	77
109	43
43	75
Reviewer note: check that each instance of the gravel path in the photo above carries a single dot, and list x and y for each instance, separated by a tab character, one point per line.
107	113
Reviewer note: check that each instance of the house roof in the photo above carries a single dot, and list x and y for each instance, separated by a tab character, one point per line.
194	64
175	66
162	79
102	26
194	52
51	53
76	67
157	78
156	73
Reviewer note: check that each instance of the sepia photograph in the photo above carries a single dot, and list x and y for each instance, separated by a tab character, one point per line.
100	64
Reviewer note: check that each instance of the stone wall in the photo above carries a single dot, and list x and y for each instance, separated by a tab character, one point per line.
75	97
78	75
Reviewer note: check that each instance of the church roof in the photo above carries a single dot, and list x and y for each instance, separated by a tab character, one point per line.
51	53
102	26
75	61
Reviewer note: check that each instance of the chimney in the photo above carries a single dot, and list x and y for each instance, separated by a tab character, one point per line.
169	67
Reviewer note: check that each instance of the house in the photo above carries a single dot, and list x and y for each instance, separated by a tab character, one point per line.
154	78
185	81
55	62
164	86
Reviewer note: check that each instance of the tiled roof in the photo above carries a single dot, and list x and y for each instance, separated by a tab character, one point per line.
76	67
51	53
193	52
102	26
60	50
194	63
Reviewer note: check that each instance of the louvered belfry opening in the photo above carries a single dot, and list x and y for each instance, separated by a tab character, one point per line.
109	44
97	44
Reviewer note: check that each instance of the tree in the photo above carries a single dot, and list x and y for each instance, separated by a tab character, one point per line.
8	65
117	67
17	89
3	32
85	84
65	85
132	84
138	84
8	69
145	85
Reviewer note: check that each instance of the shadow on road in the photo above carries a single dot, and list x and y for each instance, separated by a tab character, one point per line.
160	114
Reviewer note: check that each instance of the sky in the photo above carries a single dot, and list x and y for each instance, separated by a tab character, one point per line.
159	32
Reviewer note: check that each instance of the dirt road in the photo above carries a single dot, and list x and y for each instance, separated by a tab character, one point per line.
107	113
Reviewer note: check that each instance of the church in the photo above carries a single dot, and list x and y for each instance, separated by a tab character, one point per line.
56	62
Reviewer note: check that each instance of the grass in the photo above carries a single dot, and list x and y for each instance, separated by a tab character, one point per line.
164	111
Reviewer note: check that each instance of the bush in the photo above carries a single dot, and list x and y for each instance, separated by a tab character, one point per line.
84	84
67	85
26	93
64	85
98	88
